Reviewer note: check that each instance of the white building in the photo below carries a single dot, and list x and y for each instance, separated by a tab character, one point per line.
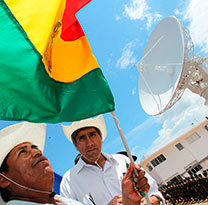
187	154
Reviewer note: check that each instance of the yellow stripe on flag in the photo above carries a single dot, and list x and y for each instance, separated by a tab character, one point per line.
37	18
70	60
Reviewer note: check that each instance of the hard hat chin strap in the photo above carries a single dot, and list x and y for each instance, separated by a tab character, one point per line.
51	194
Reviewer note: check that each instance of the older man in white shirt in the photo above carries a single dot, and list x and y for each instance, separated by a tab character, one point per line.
26	176
96	173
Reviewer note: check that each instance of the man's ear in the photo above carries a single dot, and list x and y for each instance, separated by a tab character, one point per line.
4	183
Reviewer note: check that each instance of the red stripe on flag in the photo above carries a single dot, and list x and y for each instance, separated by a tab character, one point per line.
71	29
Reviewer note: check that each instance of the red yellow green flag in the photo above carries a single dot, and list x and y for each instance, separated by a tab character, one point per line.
47	70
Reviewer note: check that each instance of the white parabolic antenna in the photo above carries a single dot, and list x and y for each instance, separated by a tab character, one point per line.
168	67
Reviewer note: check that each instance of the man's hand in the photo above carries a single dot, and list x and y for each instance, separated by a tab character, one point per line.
116	200
130	196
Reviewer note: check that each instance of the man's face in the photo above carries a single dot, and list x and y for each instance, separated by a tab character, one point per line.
29	167
89	144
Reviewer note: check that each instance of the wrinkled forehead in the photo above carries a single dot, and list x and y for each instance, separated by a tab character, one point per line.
19	147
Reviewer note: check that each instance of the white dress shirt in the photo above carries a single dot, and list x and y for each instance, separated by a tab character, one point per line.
102	185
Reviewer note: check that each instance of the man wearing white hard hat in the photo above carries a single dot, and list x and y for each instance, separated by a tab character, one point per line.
26	176
96	173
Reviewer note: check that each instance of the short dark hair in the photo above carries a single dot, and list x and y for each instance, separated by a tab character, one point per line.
5	194
4	166
76	132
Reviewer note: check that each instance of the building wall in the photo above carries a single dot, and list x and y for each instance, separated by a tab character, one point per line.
178	162
199	148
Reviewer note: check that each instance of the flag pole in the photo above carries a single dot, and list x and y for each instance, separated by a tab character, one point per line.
127	149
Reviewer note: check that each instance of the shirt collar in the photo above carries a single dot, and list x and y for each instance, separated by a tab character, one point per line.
81	163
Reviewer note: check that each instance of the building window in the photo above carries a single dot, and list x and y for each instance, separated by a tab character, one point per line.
179	146
177	179
195	170
198	167
190	173
155	162
193	138
149	167
159	159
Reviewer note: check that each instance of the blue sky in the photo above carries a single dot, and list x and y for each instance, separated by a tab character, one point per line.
118	31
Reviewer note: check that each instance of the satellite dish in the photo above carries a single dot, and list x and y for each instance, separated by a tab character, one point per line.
168	67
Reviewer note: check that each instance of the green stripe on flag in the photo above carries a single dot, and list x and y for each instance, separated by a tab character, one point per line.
28	93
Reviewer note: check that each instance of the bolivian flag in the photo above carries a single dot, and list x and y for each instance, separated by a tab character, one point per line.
47	70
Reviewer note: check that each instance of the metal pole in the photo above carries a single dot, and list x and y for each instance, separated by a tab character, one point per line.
127	149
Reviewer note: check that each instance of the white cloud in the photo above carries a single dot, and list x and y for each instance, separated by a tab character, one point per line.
127	57
189	110
118	18
140	128
139	10
133	92
196	14
137	133
133	135
138	151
